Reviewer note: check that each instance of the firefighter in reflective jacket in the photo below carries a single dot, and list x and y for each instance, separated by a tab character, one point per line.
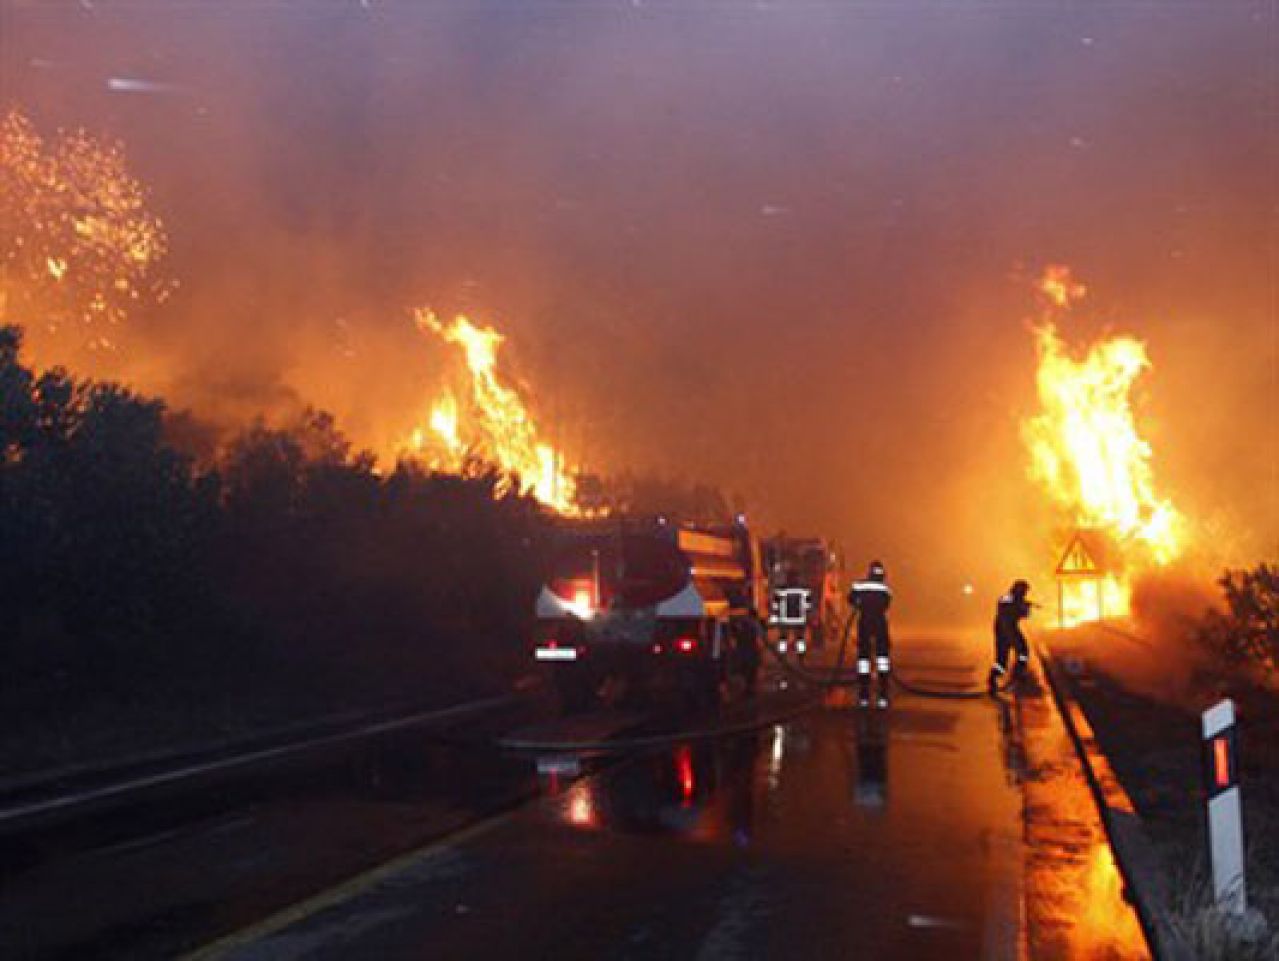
1011	610
871	598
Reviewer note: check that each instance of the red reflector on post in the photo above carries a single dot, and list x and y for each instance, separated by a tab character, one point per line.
1221	762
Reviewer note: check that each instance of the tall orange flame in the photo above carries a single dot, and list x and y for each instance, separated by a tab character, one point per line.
493	425
1088	454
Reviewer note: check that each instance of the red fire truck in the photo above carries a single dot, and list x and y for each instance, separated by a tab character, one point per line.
633	607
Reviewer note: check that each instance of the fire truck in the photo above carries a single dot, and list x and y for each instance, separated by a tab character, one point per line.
804	575
639	607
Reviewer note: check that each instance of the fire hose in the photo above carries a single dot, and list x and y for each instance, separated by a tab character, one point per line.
841	676
615	745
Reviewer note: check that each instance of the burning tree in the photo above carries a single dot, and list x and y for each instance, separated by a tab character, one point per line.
490	424
1087	452
78	245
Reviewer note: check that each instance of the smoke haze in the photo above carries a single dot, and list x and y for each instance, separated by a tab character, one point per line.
782	247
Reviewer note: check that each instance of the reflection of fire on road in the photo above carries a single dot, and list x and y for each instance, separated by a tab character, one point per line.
1087	453
491	423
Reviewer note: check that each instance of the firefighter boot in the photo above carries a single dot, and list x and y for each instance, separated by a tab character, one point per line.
884	679
1022	670
992	680
882	701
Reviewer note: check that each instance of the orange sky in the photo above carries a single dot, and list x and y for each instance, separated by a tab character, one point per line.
786	249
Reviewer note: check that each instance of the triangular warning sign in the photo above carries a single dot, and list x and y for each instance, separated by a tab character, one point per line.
1077	559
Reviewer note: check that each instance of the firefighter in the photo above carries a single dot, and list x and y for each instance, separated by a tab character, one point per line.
870	598
790	636
1011	610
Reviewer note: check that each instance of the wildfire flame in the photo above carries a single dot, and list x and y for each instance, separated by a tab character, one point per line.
493	424
1059	287
1088	454
78	246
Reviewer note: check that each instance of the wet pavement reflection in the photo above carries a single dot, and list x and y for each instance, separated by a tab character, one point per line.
838	833
940	828
1075	900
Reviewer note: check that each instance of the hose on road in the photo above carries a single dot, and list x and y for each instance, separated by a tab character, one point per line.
838	676
842	676
616	745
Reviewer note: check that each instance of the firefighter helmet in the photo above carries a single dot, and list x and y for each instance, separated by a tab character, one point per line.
1019	588
875	572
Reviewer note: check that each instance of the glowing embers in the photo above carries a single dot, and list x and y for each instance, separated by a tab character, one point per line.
491	424
1087	453
79	247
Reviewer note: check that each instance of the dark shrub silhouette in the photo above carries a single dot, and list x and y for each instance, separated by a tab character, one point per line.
282	575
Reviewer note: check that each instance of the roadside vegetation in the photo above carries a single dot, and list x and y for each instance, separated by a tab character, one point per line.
1150	732
156	590
1245	634
164	585
1210	934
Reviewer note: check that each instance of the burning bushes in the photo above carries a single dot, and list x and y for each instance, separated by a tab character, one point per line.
286	576
1247	632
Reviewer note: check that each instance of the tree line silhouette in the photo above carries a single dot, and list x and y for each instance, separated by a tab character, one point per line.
286	569
160	582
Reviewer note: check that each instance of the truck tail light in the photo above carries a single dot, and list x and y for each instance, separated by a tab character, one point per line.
686	645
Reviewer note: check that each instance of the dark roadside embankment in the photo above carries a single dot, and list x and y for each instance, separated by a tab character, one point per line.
1143	699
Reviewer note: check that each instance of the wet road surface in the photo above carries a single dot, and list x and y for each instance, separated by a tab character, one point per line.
835	834
152	880
937	829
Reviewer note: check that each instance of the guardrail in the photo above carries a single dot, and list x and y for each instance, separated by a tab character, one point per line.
42	801
1143	874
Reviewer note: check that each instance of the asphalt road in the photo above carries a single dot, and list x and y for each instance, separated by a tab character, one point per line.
837	834
154	879
917	832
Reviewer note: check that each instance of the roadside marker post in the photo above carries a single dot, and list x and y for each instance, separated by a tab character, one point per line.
1225	820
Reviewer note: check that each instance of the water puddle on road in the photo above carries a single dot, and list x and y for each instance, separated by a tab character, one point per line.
998	787
699	791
